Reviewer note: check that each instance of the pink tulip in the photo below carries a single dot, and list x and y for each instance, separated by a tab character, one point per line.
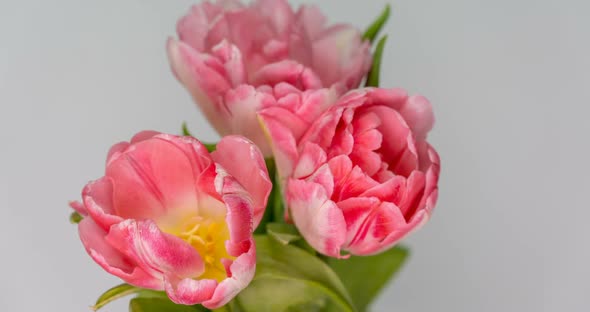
169	216
226	45
361	176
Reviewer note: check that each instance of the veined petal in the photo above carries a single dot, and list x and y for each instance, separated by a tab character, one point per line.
244	161
241	272
156	252
319	219
110	259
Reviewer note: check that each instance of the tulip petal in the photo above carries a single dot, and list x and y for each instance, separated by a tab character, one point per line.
189	291
241	273
244	161
201	75
242	104
98	200
110	259
319	219
156	252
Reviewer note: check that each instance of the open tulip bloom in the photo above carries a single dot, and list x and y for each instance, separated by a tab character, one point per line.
301	204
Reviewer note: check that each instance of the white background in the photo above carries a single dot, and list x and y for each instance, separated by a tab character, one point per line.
509	80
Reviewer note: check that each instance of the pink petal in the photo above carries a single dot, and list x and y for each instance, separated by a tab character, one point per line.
244	161
203	76
397	148
383	223
152	177
241	274
189	291
355	211
78	207
311	158
393	190
312	19
156	252
242	104
98	200
318	218
111	260
286	71
284	144
417	112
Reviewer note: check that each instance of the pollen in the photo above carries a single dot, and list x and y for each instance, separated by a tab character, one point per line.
208	237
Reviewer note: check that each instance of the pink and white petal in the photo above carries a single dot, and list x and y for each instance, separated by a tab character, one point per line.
156	252
395	235
244	161
97	197
111	260
323	130
414	194
340	166
393	190
189	291
323	176
355	211
240	274
231	57
319	219
242	104
384	221
239	222
355	184
283	144
201	76
310	159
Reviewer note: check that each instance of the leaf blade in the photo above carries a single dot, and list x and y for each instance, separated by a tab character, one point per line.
161	305
375	27
287	275
364	277
113	294
374	74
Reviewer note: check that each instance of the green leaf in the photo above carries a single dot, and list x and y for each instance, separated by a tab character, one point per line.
75	217
373	78
113	294
185	130
209	146
364	277
290	279
283	233
161	305
374	29
274	208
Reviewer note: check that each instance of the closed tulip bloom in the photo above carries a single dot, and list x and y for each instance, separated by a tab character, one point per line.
168	215
226	45
362	175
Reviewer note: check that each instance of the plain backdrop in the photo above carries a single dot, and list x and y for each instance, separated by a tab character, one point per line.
510	85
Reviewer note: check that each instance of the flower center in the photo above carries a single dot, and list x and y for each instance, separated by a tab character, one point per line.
208	237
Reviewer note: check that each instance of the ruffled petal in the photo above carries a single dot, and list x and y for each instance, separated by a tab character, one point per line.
244	161
156	252
319	219
111	260
241	272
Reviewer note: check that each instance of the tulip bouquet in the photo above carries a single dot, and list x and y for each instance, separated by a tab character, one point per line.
300	205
